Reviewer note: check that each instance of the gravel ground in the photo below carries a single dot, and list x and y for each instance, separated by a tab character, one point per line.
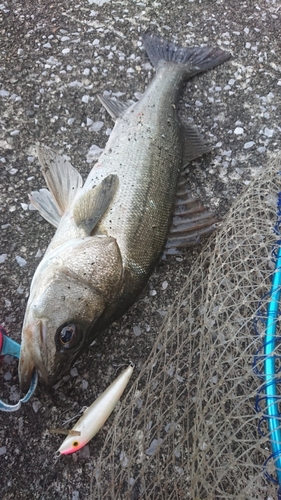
55	58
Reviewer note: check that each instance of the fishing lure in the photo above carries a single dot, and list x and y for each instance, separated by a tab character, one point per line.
268	392
10	347
95	416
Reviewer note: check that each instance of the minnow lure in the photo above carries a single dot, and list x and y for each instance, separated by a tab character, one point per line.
95	416
268	391
12	348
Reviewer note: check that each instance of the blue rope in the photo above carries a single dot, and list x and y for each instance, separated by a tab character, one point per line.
270	386
268	392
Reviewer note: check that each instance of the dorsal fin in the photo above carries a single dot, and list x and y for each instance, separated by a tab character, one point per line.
115	108
194	144
62	179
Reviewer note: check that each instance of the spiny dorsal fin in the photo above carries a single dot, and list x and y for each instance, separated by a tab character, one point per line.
194	144
46	205
89	209
115	108
62	179
191	221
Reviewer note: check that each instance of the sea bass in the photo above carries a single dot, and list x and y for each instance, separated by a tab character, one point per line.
112	230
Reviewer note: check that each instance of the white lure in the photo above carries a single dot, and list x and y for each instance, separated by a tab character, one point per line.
96	415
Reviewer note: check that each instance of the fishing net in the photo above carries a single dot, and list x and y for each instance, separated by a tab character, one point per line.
190	427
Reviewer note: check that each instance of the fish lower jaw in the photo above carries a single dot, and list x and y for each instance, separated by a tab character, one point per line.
26	368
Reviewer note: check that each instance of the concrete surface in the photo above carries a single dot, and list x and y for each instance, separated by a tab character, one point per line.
55	57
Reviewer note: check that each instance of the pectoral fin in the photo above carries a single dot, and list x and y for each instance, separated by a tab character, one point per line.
90	208
46	205
62	179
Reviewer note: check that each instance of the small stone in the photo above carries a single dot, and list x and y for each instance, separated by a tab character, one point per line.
239	131
83	453
85	98
36	405
137	330
85	384
4	93
3	257
93	153
249	144
123	459
13	171
74	372
96	127
268	132
153	446
65	52
7	376
21	262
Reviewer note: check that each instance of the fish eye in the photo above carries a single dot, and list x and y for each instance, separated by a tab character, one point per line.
69	335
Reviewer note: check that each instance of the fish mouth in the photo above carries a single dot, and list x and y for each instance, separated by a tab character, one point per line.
33	340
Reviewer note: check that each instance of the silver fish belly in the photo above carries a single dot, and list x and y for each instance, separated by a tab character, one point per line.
111	230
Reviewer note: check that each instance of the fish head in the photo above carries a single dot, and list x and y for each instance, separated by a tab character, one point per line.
67	297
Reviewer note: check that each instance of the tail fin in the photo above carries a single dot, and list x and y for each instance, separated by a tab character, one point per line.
196	59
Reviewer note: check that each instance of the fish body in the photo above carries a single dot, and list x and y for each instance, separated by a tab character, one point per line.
111	230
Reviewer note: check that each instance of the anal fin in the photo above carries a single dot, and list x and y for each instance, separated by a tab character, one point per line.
89	209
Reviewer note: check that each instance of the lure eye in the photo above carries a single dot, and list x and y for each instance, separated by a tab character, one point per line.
69	335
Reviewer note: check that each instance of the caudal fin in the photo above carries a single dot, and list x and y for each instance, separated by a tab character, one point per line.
196	59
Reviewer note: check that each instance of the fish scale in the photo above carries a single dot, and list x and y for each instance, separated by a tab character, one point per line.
150	156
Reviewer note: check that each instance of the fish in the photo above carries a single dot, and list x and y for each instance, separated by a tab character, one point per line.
96	414
112	230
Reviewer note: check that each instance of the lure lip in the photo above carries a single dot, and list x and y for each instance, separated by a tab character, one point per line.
10	347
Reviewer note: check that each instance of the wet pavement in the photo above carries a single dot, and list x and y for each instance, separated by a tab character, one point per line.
55	58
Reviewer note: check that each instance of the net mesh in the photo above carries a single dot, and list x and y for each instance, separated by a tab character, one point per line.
188	427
